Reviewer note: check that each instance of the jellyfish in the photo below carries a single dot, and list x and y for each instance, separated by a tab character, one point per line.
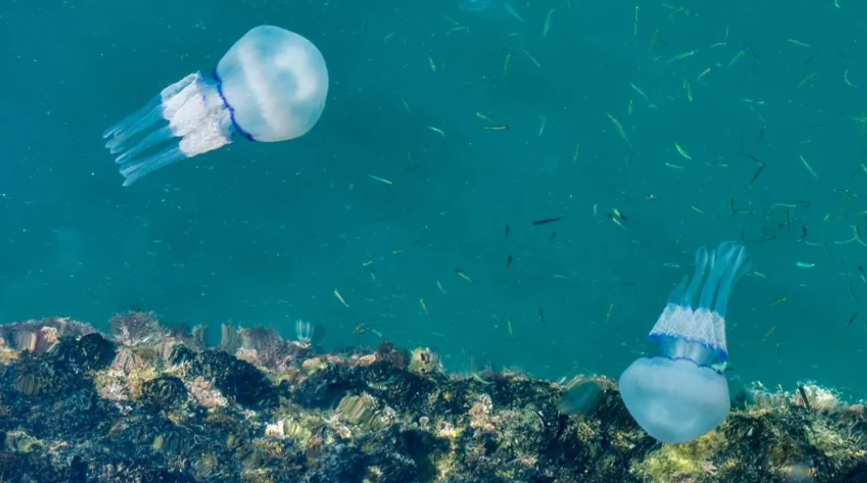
269	87
682	394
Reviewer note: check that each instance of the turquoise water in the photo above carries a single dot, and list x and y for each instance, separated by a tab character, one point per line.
264	234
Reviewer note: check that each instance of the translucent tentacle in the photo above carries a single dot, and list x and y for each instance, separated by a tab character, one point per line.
149	141
133	119
697	276
676	297
138	169
123	136
737	263
717	269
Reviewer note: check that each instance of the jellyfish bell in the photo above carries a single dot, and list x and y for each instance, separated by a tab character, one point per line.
270	86
674	401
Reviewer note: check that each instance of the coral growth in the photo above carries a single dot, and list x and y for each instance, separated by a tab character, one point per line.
152	404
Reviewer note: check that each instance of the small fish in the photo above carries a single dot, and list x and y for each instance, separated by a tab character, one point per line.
682	56
758	172
682	151
737	57
805	264
548	19
620	130
807	165
363	328
463	275
851	319
543	121
507	231
508	265
804	397
610	310
503	127
616	220
777	301
381	180
484	117
542	318
509	326
511	10
553	236
440	287
373	274
437	130
340	298
799	43
424	306
641	93
545	221
532	59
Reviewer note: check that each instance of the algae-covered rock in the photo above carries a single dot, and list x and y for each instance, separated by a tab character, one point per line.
150	404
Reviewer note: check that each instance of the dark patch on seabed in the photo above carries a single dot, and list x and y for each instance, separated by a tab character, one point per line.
152	404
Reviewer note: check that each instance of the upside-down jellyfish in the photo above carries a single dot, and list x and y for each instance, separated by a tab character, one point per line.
270	86
681	394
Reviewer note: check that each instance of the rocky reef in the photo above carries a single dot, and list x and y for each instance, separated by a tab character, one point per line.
153	404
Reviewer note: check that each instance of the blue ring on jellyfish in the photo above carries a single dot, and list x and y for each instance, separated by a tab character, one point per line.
474	5
218	83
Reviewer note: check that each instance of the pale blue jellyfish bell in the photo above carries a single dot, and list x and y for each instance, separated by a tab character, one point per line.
270	86
680	395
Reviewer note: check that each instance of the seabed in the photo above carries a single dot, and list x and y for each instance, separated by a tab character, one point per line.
153	404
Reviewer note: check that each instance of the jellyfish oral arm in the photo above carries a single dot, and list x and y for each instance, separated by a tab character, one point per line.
188	118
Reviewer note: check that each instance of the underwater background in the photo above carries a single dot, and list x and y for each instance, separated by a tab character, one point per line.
766	148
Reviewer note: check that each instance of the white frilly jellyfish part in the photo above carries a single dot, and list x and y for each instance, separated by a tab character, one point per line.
679	395
270	86
698	326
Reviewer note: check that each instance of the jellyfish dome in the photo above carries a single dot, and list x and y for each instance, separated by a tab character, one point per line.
681	395
270	86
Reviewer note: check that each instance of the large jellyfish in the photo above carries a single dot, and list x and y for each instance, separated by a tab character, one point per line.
270	86
681	394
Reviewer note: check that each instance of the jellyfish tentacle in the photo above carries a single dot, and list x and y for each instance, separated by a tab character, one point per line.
137	169
677	295
133	120
697	276
125	134
708	292
149	141
737	263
